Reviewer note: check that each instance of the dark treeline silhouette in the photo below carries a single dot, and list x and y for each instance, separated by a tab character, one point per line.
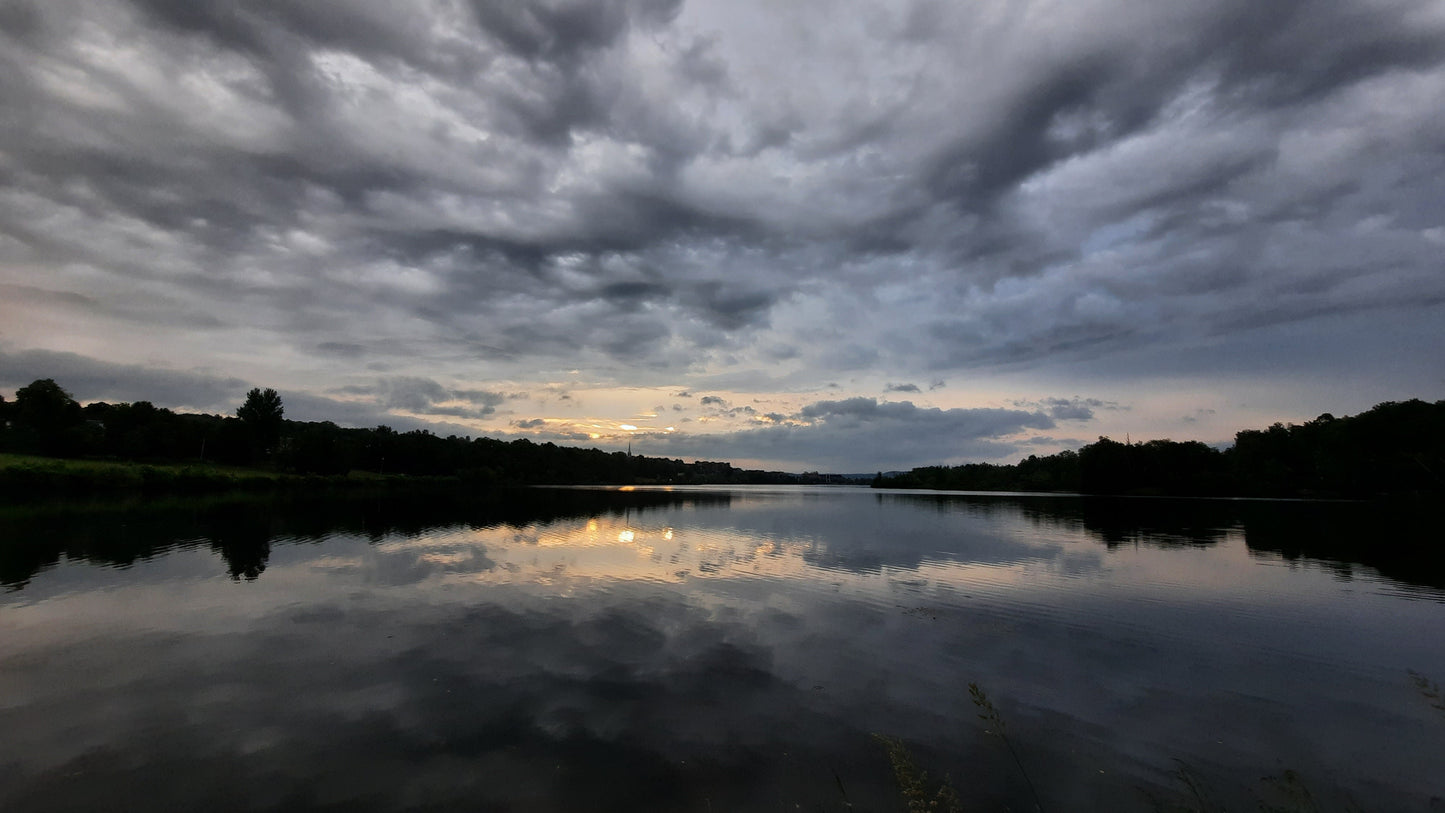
44	419
1395	448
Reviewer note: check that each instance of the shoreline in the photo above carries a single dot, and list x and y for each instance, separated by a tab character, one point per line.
32	476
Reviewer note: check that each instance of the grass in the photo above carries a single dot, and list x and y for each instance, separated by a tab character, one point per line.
32	474
990	715
113	467
919	794
29	476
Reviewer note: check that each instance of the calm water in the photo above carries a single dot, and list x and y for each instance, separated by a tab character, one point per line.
715	650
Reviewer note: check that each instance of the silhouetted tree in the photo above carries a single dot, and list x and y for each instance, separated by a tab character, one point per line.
262	416
47	418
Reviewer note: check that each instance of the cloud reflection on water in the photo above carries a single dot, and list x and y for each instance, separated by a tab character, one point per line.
674	651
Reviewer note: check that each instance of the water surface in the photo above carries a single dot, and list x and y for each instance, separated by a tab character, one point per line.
715	650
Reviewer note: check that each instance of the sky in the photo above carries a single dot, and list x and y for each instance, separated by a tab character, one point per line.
843	236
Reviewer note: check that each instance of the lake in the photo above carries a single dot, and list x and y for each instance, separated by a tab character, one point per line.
740	648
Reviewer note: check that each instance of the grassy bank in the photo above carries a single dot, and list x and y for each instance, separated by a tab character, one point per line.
27	476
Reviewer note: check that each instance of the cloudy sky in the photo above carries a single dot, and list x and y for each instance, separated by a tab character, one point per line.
845	235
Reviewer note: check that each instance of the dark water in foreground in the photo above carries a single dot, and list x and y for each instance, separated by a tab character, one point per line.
716	650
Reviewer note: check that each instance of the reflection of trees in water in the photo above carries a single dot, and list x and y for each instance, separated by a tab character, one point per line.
244	557
1161	523
1398	540
32	541
241	529
1114	521
242	536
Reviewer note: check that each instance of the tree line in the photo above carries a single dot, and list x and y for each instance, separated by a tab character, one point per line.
44	419
1394	448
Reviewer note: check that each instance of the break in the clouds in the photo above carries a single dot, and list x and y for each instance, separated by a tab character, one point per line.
1216	209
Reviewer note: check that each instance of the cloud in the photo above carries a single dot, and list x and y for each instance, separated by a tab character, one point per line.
423	396
88	379
864	434
901	388
318	194
1198	415
1069	409
343	349
718	407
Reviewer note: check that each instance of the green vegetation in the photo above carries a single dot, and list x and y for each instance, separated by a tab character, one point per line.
30	473
990	715
919	794
1395	448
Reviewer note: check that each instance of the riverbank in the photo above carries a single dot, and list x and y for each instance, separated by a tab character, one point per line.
28	476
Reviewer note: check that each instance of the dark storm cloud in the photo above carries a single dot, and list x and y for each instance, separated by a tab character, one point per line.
864	433
227	202
721	408
652	189
563	32
1071	412
128	309
301	406
1069	409
423	396
90	380
1265	56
